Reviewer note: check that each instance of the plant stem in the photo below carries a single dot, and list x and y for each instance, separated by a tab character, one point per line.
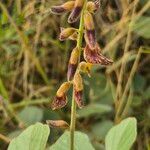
73	107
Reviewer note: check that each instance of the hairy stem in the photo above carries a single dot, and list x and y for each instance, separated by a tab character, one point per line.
73	107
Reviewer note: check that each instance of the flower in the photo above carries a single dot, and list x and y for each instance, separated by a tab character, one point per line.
57	124
67	33
68	6
78	89
60	99
85	67
90	36
76	11
73	62
92	7
95	57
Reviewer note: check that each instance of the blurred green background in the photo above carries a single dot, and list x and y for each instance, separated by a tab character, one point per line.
33	64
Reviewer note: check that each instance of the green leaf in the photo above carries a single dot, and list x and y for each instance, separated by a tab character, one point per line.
100	129
146	94
122	136
139	83
93	109
30	115
33	138
81	142
141	27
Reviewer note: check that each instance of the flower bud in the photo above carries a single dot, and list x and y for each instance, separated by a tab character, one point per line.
68	6
85	67
76	11
95	57
73	63
90	36
78	89
66	33
60	99
92	7
57	124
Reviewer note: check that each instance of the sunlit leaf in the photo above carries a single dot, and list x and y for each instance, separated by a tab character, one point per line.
33	138
141	27
122	136
81	142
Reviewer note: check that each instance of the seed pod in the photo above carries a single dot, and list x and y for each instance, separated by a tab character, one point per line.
76	11
73	64
66	33
68	6
85	67
95	57
78	89
58	124
90	36
92	7
60	99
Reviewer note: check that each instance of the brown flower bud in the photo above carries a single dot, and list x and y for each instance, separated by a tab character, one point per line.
73	63
58	124
95	57
78	89
85	67
76	11
68	6
60	99
66	33
90	36
92	7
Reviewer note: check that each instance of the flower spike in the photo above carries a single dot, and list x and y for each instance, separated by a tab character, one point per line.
95	57
60	99
68	6
76	11
90	36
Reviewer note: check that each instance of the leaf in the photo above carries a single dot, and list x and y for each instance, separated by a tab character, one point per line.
122	136
146	94
81	142
93	109
141	27
33	138
30	115
100	129
139	83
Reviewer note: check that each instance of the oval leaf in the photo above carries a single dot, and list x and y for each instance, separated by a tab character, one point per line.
33	138
81	142
93	109
122	136
30	115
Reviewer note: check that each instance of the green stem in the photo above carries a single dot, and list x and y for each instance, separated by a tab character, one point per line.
73	107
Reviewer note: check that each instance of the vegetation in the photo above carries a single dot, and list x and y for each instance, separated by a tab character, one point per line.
34	61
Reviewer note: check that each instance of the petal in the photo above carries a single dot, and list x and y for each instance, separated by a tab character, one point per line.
76	11
90	38
66	33
78	98
75	14
95	57
68	6
71	71
59	102
57	10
